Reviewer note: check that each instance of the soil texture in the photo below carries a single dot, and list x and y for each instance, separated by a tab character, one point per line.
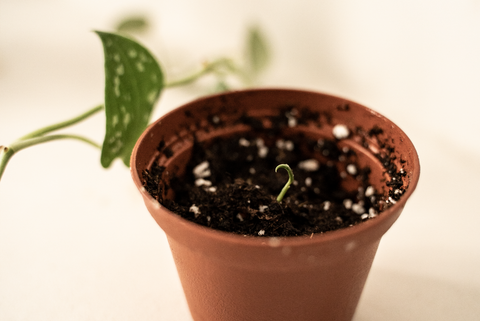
231	185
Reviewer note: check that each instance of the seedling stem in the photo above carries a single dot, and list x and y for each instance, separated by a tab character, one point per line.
287	185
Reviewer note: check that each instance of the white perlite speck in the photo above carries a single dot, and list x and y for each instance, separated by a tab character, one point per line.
347	203
262	208
326	206
308	181
243	142
284	144
392	200
289	145
240	217
195	210
202	182
369	191
309	165
351	169
261	232
357	208
262	151
292	122
202	170
280	144
340	131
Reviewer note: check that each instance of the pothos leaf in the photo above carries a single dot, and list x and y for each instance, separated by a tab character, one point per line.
133	24
133	83
257	51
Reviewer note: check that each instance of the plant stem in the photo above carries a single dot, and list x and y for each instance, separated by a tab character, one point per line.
39	137
214	66
6	152
5	155
187	80
51	128
287	185
22	144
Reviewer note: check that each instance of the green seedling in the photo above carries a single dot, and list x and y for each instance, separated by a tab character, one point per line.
289	182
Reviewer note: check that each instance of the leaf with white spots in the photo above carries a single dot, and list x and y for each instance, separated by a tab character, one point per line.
133	83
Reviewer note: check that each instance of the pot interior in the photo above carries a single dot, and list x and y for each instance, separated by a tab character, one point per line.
377	142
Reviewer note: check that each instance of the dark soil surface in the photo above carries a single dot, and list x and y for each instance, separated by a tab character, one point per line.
231	185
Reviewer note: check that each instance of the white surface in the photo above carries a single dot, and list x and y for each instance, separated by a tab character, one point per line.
76	242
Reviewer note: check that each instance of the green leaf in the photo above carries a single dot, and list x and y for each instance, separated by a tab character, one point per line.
257	51
133	83
133	24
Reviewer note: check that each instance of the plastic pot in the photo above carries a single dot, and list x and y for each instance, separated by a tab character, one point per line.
234	277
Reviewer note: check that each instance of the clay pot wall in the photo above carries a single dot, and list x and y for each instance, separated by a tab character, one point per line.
233	277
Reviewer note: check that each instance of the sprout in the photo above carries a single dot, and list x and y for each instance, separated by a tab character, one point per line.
287	185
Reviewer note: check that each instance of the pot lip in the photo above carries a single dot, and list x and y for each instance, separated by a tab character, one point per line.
346	234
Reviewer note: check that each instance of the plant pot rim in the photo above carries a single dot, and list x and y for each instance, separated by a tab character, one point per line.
386	217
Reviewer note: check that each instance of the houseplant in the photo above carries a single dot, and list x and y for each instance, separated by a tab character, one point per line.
134	81
130	96
234	277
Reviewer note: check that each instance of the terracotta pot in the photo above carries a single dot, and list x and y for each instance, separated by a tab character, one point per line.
232	277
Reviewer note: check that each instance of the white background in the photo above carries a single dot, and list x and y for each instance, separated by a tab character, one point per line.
76	242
